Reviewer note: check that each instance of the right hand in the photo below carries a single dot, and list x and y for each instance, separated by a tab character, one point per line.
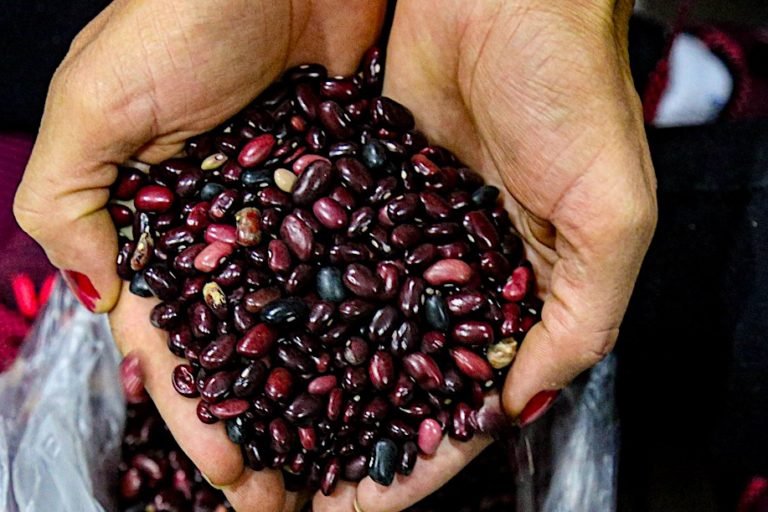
139	80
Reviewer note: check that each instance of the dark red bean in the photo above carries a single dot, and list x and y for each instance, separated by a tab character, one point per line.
384	322
403	208
482	230
322	385
281	436
473	332
382	370
297	237
201	320
423	166
405	236
356	310
229	408
403	391
405	339
154	199
389	113
399	430
454	250
330	213
307	100
335	120
279	385
361	281
383	190
256	150
471	364
334	405
161	281
465	302
122	216
461	427
184	262
197	218
372	68
218	353
217	387
442	232
257	342
204	413
432	342
354	175
355	379
421	256
411	297
315	181
224	204
331	475
375	411
339	89
424	370
308	438
518	284
303	409
128	182
254	302
231	274
279	256
294	359
166	315
250	379
356	351
350	412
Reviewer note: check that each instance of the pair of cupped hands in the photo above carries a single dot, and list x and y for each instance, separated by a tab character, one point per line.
535	95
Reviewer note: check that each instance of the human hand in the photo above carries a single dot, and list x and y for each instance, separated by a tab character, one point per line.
138	81
537	96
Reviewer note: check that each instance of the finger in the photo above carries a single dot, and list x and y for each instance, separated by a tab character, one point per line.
604	227
430	474
207	445
259	491
342	499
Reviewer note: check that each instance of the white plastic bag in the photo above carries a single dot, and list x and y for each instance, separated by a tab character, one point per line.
62	414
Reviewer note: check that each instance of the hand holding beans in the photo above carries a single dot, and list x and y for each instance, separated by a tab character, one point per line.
537	96
230	66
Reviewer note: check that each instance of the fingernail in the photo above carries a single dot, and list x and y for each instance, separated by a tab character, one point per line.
217	487
537	406
82	287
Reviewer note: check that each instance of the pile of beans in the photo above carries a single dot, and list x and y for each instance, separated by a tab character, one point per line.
344	293
155	475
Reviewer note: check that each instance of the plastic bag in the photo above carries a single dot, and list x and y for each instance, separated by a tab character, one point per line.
63	413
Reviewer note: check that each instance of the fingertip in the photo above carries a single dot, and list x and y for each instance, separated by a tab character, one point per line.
256	491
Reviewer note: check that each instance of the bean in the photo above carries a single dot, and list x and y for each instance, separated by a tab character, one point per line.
256	150
354	175
429	436
212	256
403	208
473	332
204	413
461	427
471	364
411	297
297	237
361	281
482	230
229	408
285	311
405	236
403	391
331	475
303	410
218	386
518	284
218	352
383	462
387	112
294	359
257	342
161	281
321	316
446	271
315	181
465	302
485	196
281	436
424	370
329	284
436	313
383	324
408	458
405	339
382	370
330	213
250	379
279	385
335	120
154	199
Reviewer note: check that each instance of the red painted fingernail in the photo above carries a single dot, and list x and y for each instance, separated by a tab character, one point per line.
537	406
82	287
132	380
46	288
25	295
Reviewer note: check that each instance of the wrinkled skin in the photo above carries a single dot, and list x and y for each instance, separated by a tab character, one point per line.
536	96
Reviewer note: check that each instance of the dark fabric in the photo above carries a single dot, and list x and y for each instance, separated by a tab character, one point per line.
693	375
34	37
